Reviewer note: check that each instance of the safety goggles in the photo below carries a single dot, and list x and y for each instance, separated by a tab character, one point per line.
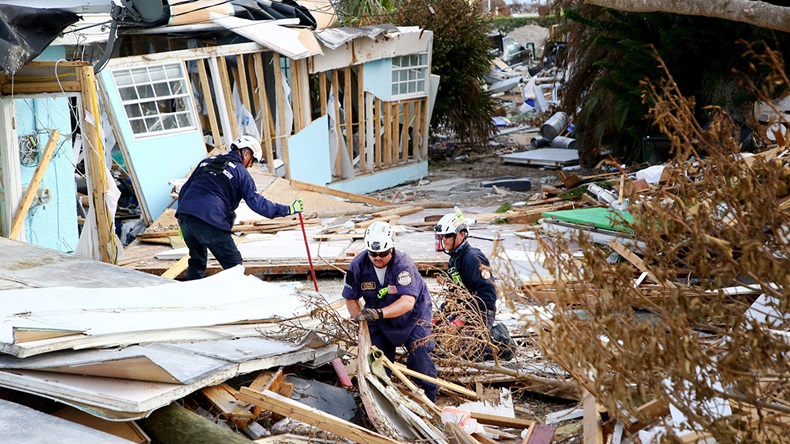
379	254
448	235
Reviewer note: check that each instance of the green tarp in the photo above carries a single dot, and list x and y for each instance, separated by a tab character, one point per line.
604	218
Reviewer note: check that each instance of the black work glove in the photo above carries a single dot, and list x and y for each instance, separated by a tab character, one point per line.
369	314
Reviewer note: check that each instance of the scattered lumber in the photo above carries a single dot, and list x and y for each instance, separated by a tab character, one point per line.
350	196
224	398
296	410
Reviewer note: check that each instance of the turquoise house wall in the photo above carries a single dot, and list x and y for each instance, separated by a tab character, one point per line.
378	78
155	159
53	225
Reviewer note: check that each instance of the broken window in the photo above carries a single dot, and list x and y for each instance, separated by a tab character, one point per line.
155	98
408	75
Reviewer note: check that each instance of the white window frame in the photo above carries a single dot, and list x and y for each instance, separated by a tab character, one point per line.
156	92
408	71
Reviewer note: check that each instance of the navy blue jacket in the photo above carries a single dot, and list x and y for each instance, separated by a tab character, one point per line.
402	277
213	197
470	267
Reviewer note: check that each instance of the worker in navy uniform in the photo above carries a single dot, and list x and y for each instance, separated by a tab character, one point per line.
397	303
469	267
208	200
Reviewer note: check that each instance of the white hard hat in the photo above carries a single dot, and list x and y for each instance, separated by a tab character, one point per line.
250	143
379	237
452	223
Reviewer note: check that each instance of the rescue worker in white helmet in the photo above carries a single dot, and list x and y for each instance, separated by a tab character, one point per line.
468	266
208	200
397	303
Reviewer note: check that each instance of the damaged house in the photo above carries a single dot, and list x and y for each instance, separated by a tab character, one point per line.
345	108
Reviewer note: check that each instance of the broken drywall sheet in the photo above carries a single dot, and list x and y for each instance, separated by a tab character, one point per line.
179	363
271	35
227	297
308	153
115	398
23	424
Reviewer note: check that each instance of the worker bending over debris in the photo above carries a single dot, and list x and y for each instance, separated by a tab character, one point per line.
397	302
208	200
468	266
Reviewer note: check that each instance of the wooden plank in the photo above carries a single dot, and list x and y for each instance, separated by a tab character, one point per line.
304	83
228	95
266	380
338	128
223	398
386	148
480	437
296	93
441	383
349	112
350	196
378	152
502	421
426	125
457	435
322	91
312	416
42	87
208	102
179	267
593	429
647	414
243	85
395	145
266	115
32	188
95	164
361	141
282	131
418	131
404	136
636	261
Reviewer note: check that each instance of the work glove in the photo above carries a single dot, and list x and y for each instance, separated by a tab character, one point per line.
369	314
297	206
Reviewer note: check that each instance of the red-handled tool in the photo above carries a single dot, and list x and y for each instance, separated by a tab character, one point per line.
307	247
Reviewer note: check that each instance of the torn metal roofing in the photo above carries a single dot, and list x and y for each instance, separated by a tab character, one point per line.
25	32
334	37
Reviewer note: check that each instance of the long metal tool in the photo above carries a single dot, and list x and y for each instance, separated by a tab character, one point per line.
307	247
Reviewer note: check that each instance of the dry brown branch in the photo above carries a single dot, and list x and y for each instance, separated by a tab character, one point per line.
719	225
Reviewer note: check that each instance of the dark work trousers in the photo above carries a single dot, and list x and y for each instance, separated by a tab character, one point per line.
419	358
200	237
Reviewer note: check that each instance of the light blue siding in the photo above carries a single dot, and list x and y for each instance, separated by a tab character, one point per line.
308	153
378	78
53	225
154	159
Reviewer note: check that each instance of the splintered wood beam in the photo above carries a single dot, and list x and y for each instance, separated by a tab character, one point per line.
502	421
404	137
636	261
338	128
208	102
244	91
32	188
361	141
593	429
309	415
418	131
228	95
282	131
179	267
95	163
349	114
266	115
441	383
223	398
